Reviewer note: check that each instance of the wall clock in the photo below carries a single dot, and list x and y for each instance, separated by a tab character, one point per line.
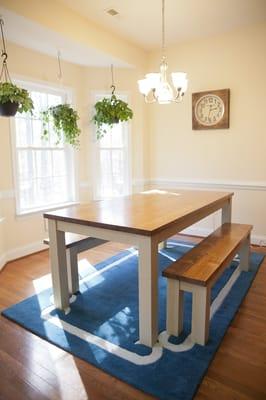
210	109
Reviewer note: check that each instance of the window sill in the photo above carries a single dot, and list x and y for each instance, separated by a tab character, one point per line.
42	209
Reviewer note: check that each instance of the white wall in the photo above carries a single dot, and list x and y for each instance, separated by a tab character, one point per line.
233	157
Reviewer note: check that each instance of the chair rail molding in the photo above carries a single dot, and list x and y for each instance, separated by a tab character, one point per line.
209	184
7	194
85	185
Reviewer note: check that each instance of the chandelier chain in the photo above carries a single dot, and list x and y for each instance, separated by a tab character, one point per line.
155	86
163	28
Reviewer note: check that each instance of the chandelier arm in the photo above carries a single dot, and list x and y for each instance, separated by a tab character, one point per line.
150	97
149	101
179	96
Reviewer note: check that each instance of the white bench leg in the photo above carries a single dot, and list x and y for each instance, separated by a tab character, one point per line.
72	270
244	255
174	319
200	314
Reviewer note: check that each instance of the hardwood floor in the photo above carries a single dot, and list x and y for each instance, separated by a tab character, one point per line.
31	368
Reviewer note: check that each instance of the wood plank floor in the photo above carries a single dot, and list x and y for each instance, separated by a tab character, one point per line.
31	368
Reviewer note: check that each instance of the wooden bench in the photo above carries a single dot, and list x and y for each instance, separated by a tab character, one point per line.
197	271
75	244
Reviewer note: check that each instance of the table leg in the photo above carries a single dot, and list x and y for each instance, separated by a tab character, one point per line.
58	266
148	291
227	212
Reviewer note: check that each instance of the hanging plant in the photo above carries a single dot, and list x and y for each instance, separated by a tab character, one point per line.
110	111
65	123
12	98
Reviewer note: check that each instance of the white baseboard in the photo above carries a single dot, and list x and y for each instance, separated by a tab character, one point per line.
21	251
2	261
258	240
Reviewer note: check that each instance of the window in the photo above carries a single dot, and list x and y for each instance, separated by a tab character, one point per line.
44	171
111	166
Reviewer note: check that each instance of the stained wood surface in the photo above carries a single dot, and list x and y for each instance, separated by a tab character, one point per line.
33	369
143	213
204	262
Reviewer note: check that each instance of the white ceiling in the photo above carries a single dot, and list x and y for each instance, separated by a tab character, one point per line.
140	20
29	34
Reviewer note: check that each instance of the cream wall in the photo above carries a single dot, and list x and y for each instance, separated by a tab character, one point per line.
232	159
33	66
165	150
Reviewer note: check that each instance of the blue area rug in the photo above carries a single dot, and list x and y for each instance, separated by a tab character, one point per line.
102	326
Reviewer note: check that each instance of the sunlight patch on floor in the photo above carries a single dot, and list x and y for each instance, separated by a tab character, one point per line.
42	283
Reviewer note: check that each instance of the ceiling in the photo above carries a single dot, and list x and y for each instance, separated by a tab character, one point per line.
32	35
140	20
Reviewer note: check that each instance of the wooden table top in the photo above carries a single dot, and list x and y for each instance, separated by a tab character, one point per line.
143	213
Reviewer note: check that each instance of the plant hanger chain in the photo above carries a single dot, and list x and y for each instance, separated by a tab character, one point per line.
4	71
112	75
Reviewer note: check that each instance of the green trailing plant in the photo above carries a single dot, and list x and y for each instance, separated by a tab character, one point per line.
12	98
65	123
12	93
110	111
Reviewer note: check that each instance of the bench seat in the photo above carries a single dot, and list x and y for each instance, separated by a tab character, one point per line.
198	270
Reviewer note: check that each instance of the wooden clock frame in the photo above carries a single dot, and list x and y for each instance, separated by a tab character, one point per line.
224	94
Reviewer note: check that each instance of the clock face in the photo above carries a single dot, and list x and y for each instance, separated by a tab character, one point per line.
209	109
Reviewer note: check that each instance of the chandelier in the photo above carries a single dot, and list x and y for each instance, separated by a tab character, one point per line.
155	87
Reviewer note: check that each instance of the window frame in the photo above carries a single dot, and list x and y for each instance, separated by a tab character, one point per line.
95	96
71	155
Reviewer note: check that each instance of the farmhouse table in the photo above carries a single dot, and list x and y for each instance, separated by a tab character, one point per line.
144	220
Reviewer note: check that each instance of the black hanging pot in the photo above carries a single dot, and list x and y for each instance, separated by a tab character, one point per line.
8	109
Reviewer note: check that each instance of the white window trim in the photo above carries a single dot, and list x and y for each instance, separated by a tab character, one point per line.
94	142
47	87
